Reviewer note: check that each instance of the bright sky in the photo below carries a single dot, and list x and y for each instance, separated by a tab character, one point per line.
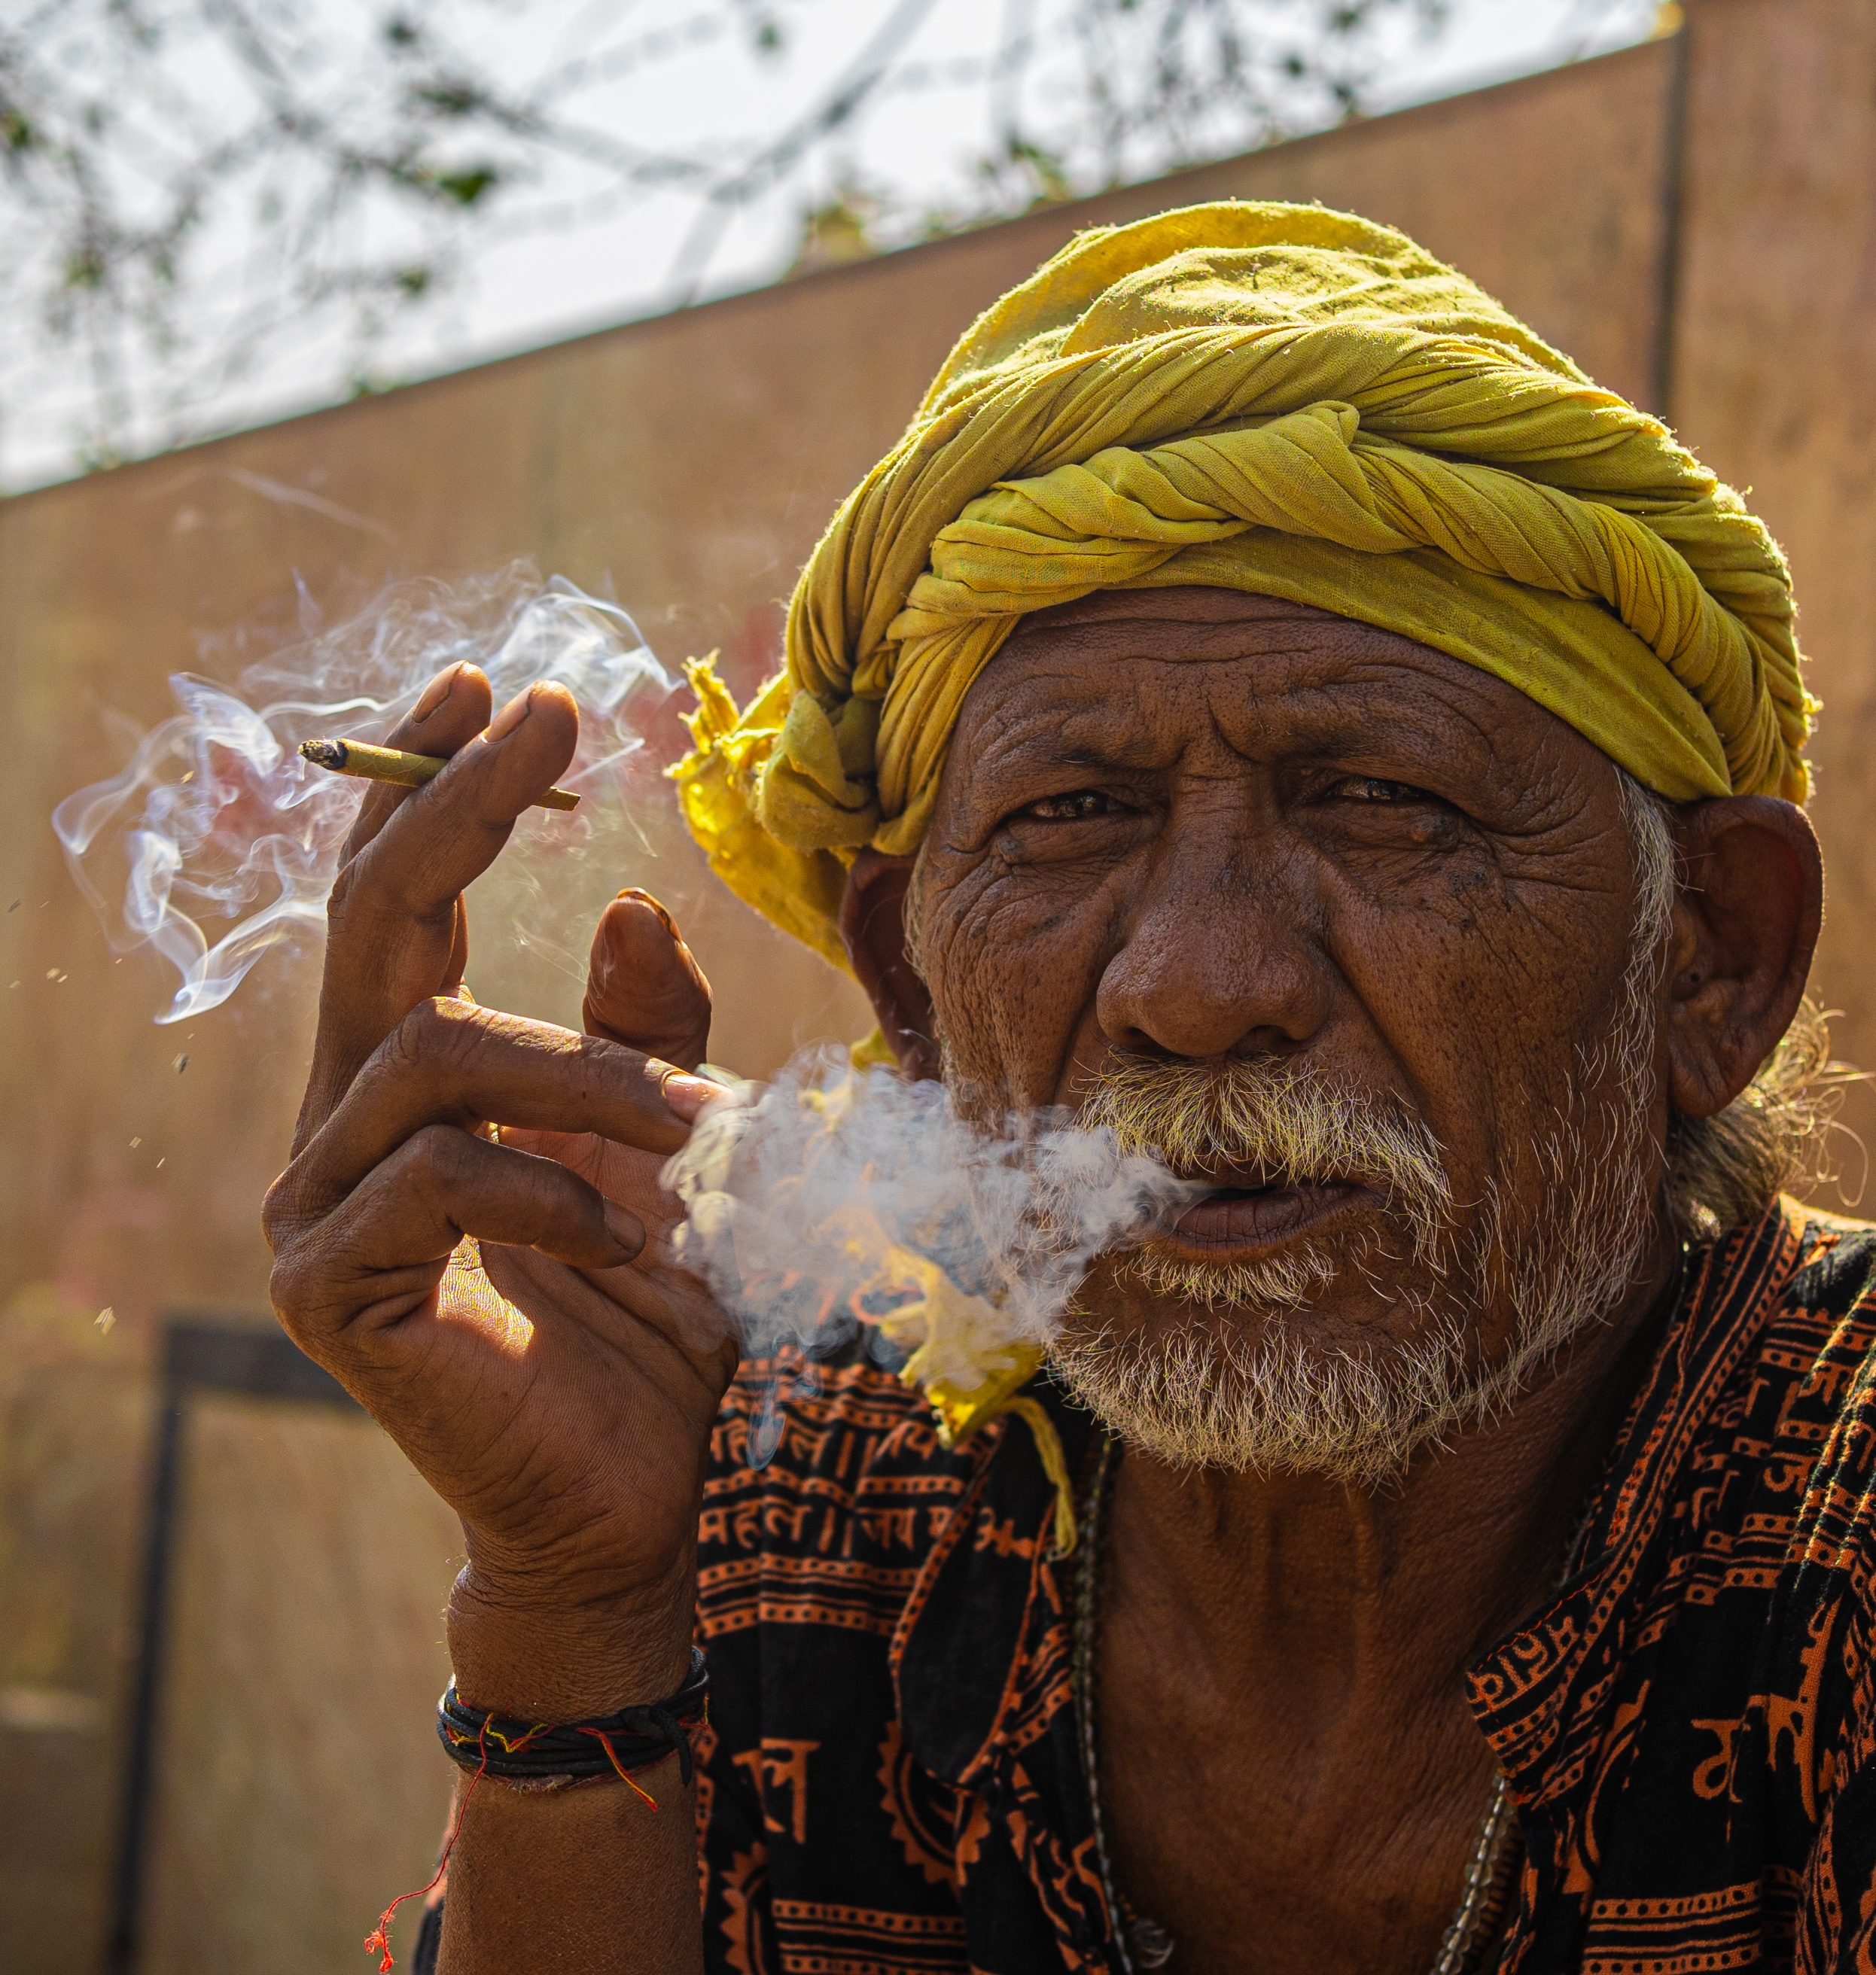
572	252
533	291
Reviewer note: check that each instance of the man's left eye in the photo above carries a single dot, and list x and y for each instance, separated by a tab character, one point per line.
1373	788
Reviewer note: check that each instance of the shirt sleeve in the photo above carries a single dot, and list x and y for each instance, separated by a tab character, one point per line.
429	1941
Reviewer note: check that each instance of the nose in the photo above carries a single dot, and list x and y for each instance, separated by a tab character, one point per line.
1223	953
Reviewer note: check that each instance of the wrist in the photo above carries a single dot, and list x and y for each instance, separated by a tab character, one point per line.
539	1755
516	1653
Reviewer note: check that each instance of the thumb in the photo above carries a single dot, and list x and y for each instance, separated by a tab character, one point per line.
643	988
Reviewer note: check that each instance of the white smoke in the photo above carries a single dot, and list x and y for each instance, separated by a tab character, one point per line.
229	842
837	1201
833	1202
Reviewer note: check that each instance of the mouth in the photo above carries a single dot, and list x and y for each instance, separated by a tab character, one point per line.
1244	1214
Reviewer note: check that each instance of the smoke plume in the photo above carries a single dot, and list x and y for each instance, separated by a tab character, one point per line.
838	1200
835	1205
226	842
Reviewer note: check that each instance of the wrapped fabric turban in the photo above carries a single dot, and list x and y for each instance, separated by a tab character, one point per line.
1262	397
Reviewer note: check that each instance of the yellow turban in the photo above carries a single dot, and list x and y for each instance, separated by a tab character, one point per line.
1262	397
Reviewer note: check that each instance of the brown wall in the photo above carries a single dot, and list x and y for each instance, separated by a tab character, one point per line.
686	464
1773	384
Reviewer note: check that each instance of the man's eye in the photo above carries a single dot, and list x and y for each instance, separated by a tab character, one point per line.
1373	788
1073	808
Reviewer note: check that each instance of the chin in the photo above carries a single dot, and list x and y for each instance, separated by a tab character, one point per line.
1258	1367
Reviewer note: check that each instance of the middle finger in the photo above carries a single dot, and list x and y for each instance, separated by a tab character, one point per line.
451	1061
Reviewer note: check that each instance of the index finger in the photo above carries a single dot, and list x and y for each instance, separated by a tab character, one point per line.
450	711
395	934
450	1062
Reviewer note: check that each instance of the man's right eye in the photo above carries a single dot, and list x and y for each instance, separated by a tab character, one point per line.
1075	807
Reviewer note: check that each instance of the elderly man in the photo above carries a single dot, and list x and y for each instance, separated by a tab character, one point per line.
1271	701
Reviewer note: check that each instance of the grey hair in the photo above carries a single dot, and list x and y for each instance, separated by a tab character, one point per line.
1725	1171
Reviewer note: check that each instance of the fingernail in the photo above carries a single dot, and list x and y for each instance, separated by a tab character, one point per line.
624	1226
644	898
511	716
687	1096
434	694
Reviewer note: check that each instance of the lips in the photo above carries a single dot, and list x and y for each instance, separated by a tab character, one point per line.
1239	1221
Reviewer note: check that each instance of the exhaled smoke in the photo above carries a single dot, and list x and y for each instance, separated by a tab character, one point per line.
837	1198
228	841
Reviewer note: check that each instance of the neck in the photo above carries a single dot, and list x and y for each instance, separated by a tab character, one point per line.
1345	1587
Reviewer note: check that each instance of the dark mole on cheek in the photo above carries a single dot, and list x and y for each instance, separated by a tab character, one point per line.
1460	881
1009	847
1437	832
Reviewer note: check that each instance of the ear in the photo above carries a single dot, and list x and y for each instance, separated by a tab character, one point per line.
873	926
1750	904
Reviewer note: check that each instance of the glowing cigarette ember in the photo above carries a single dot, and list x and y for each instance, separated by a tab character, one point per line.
393	765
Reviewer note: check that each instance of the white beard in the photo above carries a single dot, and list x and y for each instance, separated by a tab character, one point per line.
1239	1384
1218	1391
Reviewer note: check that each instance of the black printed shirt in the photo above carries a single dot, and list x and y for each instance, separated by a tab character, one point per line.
889	1782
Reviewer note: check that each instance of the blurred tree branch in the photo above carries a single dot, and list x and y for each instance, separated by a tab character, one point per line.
190	188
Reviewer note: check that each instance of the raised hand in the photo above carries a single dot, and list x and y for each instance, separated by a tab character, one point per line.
560	1394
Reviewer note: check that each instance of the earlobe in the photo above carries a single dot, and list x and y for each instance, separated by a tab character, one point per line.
872	927
1746	920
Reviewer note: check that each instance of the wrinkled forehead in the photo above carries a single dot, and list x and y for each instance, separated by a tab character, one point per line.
1128	672
1193	606
1108	649
1206	625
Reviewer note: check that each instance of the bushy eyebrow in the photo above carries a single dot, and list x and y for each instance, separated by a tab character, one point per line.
1011	751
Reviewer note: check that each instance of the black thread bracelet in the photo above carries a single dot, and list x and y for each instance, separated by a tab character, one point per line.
547	1752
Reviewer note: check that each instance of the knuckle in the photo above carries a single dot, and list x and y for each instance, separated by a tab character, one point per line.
440	1031
344	885
283	1209
436	1159
284	1288
293	1289
274	1213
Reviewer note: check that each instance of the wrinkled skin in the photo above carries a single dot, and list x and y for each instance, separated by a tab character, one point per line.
1283	869
1199	825
1293	1779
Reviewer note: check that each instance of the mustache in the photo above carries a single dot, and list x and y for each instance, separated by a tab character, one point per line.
1286	1121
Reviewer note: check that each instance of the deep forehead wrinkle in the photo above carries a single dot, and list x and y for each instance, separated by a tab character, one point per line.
1330	702
1173	635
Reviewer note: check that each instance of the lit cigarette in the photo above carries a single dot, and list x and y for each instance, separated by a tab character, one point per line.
393	765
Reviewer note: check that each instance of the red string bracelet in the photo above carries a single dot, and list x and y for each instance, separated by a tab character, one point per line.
380	1939
545	1753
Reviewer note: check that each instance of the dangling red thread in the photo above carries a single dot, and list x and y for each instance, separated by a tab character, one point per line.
380	1940
625	1775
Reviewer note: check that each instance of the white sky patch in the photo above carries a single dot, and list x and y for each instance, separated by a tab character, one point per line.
570	246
